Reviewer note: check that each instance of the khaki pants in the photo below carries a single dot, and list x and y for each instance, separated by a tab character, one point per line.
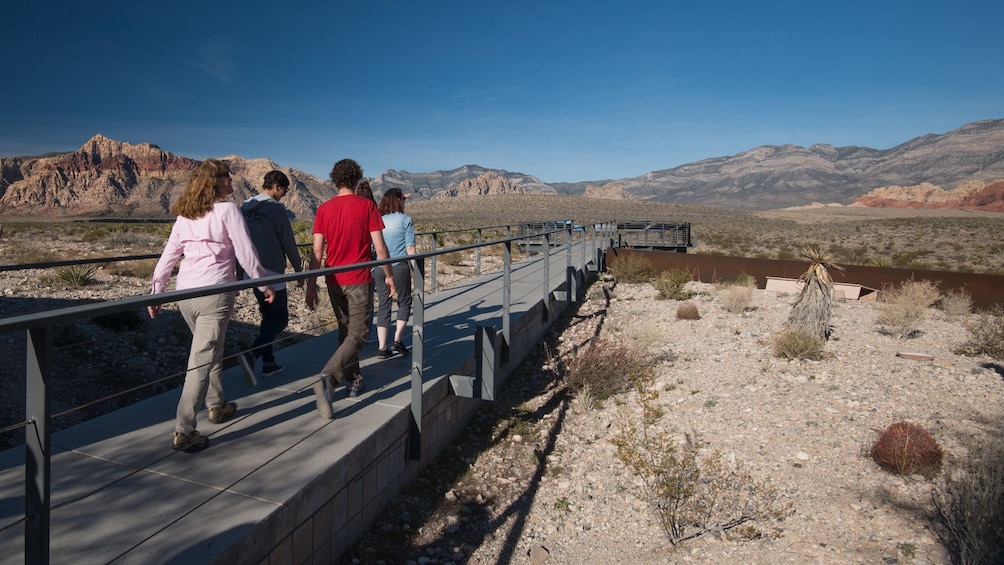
207	317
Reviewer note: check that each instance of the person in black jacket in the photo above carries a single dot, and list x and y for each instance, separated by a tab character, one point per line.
272	234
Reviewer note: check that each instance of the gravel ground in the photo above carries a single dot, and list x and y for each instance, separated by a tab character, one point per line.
537	479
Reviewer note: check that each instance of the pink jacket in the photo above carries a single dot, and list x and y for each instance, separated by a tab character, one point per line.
212	246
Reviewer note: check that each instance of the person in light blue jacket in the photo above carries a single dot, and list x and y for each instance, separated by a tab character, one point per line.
399	234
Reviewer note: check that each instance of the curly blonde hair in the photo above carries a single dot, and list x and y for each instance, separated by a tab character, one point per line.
200	193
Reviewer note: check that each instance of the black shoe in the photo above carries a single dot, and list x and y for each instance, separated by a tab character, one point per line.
269	369
356	387
400	348
384	353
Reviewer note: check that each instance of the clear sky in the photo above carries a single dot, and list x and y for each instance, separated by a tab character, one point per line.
562	90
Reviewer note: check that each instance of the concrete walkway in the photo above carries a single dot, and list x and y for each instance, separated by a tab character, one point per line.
120	494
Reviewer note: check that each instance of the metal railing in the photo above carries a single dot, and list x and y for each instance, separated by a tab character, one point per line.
39	328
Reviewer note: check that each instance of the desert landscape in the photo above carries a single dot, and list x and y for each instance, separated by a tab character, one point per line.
537	478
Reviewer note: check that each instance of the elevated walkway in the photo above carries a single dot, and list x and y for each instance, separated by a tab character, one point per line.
279	484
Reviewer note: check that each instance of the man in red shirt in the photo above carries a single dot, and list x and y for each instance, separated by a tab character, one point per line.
344	228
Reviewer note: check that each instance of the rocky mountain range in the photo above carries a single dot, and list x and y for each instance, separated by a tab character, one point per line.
108	178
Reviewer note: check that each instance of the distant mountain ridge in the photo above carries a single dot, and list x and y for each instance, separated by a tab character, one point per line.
109	178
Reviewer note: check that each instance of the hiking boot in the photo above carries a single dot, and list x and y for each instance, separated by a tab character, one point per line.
322	394
384	353
247	364
356	387
269	369
400	348
223	413
190	442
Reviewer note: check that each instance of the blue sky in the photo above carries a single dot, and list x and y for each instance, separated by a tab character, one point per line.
566	91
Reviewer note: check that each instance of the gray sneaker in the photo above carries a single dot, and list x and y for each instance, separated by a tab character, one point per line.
322	392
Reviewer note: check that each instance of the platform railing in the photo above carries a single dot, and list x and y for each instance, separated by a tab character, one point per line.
39	328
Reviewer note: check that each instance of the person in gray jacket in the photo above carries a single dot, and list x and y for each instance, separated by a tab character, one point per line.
272	234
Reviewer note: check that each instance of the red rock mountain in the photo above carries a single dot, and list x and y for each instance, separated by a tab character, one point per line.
108	178
970	195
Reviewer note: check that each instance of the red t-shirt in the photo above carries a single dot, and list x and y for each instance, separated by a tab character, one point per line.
346	223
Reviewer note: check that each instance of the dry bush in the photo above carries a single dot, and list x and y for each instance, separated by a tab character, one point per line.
606	368
956	303
797	342
454	259
738	298
904	307
970	506
907	449
631	268
139	269
687	311
672	284
986	335
693	495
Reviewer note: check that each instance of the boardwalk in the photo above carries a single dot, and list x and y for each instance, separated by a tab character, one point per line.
119	494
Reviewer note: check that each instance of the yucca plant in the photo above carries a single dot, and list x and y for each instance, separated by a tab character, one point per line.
812	309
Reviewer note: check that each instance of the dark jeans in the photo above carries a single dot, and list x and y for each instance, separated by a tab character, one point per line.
353	307
274	319
402	287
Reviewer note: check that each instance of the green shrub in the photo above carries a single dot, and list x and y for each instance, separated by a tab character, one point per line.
970	506
904	307
77	275
631	268
986	335
672	284
796	342
905	448
687	311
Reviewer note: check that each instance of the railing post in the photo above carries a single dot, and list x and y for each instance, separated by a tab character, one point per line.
547	277
38	445
477	260
417	359
506	300
573	292
432	275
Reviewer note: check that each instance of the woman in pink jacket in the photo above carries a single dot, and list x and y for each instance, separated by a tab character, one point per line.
211	234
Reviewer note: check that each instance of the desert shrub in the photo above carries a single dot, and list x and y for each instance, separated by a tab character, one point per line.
970	506
672	284
986	335
796	342
687	311
738	298
693	495
905	448
93	234
18	253
605	367
956	303
139	269
631	268
904	307
77	275
452	259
